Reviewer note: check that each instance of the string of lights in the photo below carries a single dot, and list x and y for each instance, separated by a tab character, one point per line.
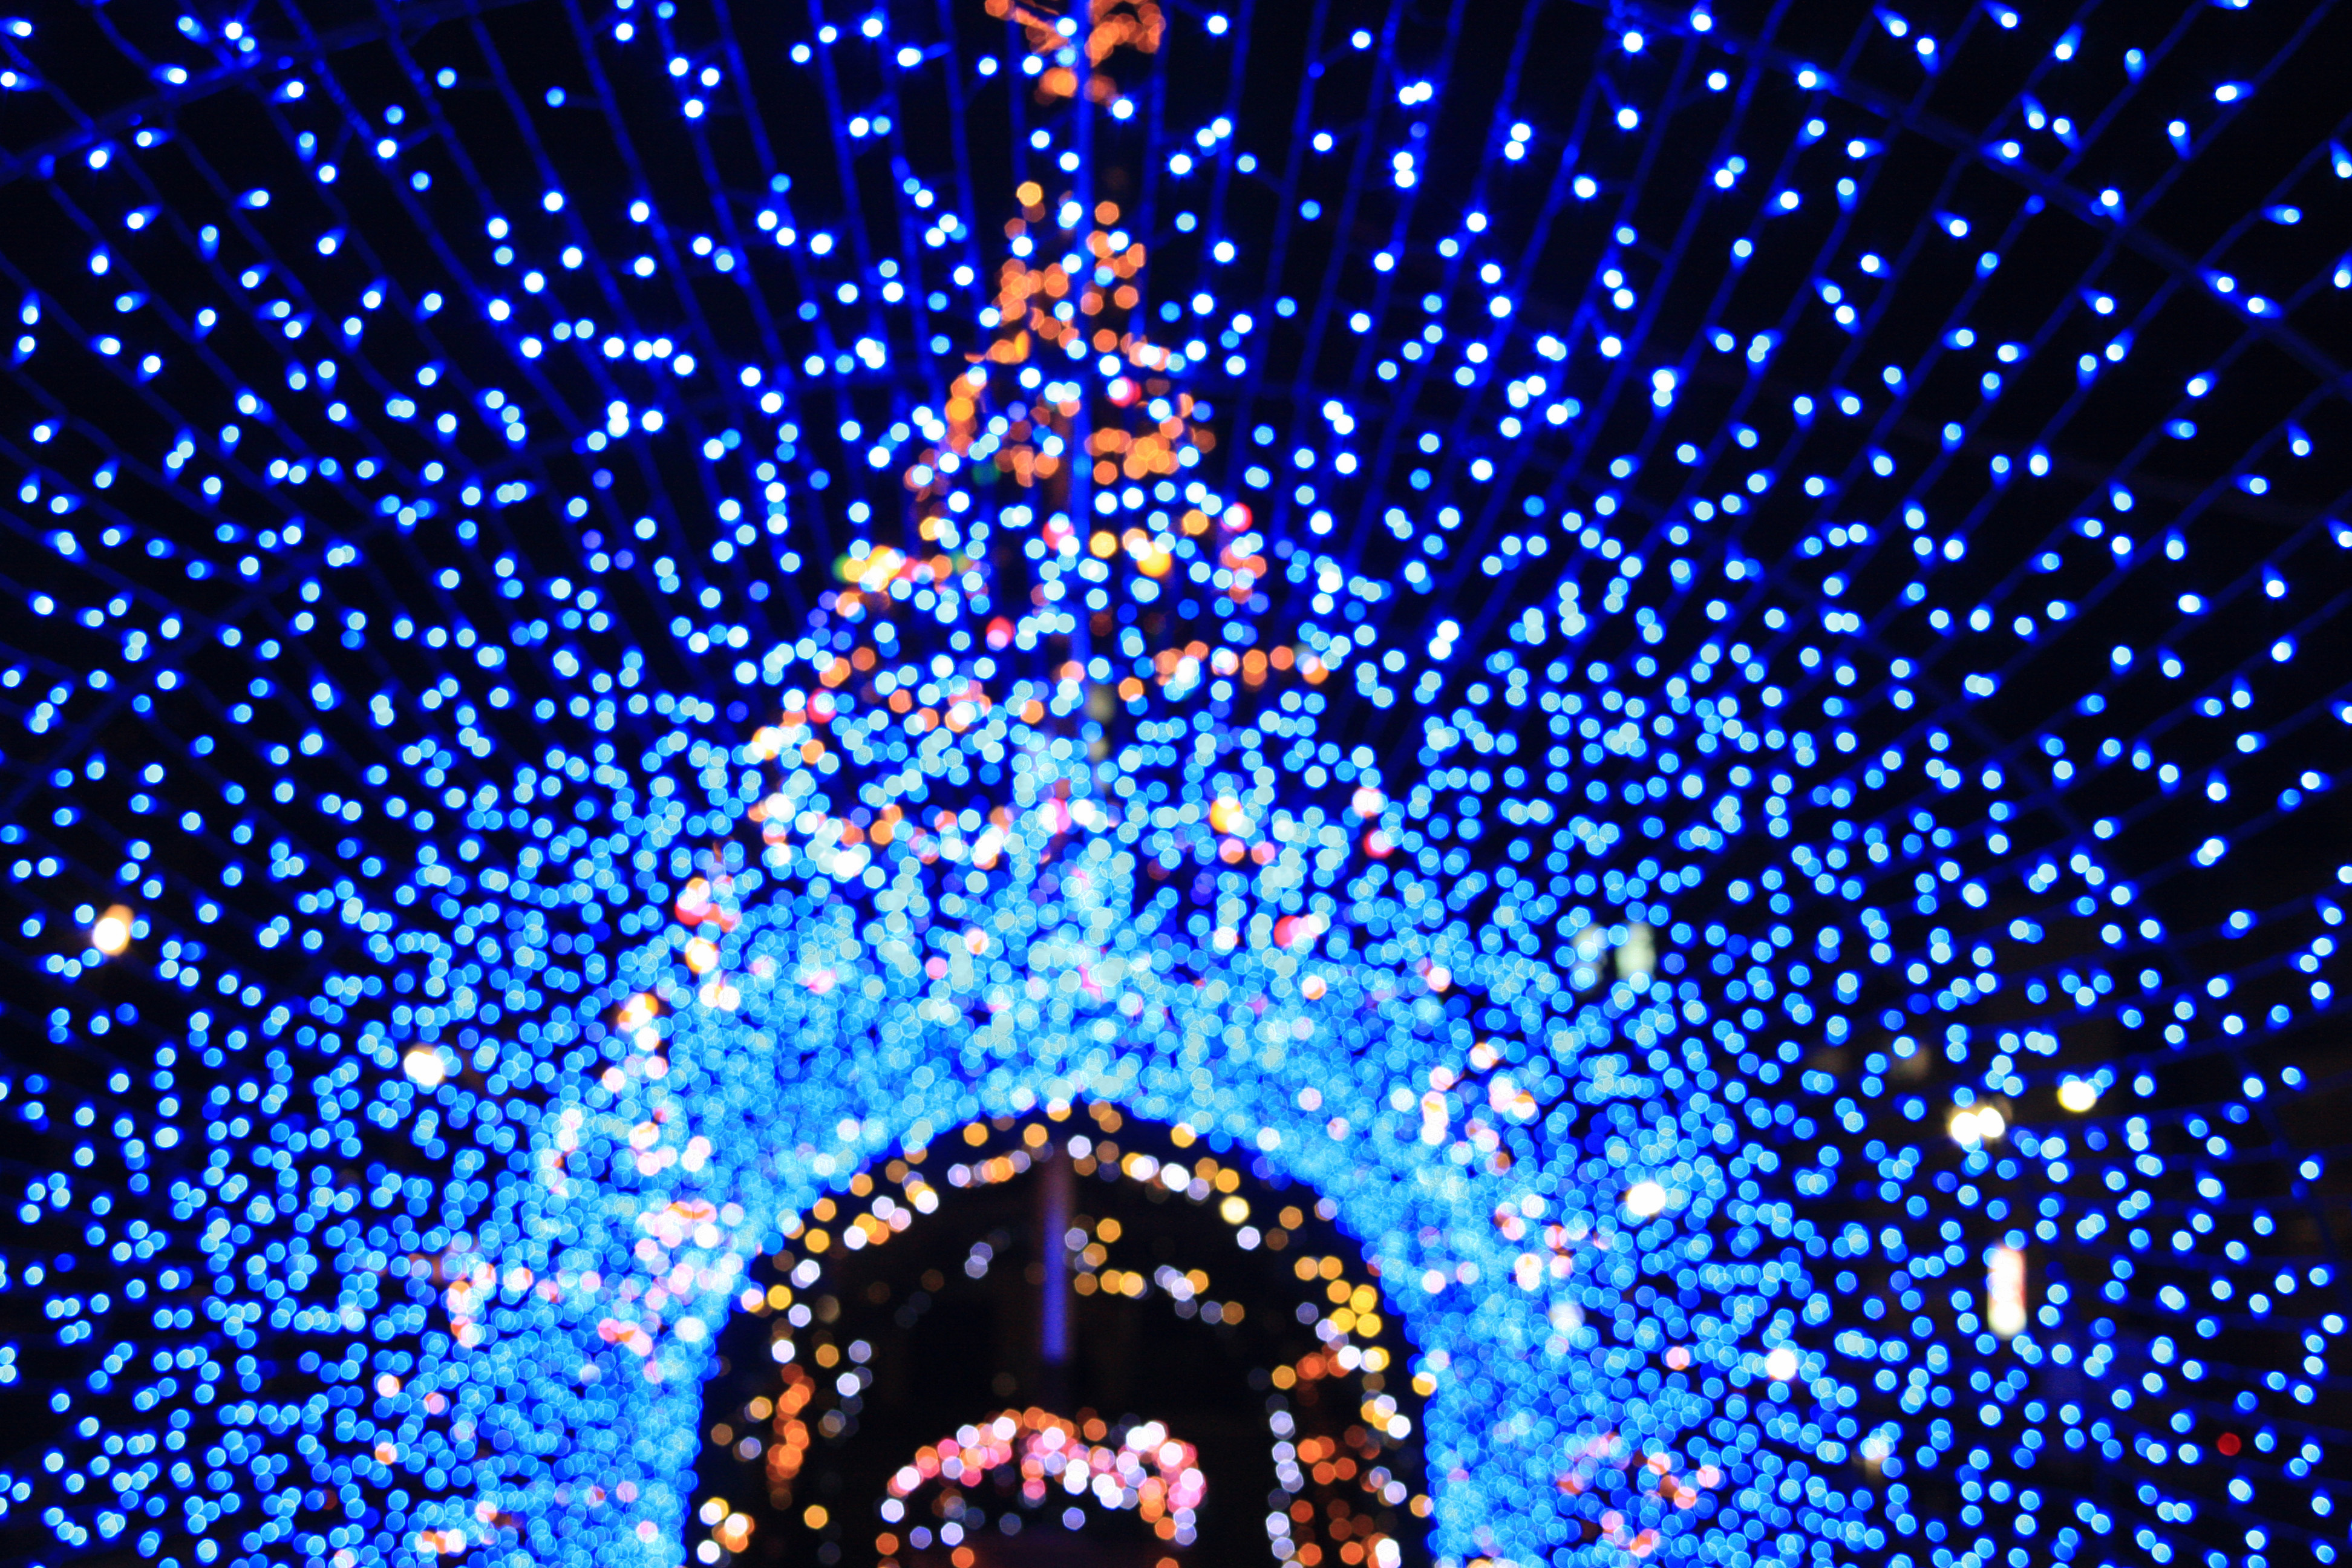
1689	663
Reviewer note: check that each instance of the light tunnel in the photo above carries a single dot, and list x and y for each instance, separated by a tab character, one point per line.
1677	672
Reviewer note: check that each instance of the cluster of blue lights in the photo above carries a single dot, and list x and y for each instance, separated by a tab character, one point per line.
1708	698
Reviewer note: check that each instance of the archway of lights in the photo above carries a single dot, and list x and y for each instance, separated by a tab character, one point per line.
1692	660
1290	1339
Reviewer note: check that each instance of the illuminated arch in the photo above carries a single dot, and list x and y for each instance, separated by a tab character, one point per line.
482	1426
723	1123
1341	1438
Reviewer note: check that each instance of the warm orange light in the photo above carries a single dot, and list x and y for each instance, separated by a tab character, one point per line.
110	932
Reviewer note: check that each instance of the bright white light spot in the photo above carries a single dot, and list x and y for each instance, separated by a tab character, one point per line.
110	932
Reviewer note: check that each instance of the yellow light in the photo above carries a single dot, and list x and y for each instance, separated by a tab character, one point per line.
423	1066
1639	956
1645	1199
2005	1292
110	932
2078	1095
1781	1364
